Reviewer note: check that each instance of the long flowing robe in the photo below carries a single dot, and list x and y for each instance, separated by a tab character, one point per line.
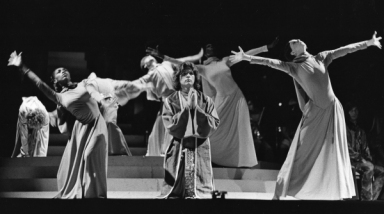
117	144
83	168
31	142
187	164
161	86
317	166
232	142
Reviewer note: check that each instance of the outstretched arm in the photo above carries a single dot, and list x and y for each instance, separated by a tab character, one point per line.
178	61
15	60
255	51
126	90
340	52
287	67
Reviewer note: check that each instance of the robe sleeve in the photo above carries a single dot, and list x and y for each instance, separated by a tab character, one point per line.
126	90
287	67
175	122
206	119
42	86
93	89
329	56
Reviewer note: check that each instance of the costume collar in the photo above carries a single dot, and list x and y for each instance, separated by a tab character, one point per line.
302	57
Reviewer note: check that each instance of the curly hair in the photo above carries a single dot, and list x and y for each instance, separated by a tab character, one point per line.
182	67
35	119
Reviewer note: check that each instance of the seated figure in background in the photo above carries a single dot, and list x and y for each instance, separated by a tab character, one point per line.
361	158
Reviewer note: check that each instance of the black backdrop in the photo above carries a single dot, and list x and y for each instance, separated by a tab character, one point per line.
113	36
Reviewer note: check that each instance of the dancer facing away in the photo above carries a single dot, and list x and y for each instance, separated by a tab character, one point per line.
104	88
83	168
189	116
317	165
158	85
32	132
232	142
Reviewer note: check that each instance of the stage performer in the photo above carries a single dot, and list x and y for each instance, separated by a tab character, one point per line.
102	88
232	142
83	168
189	116
158	85
317	166
32	131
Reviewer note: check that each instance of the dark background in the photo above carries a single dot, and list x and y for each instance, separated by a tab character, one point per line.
114	35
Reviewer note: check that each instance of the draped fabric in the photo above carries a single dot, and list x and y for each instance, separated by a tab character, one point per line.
317	166
117	144
83	167
187	162
232	142
31	141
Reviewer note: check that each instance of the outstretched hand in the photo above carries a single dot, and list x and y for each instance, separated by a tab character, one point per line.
238	56
154	52
273	44
14	59
375	41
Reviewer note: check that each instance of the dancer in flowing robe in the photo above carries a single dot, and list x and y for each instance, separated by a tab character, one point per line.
189	116
32	132
83	168
102	88
232	143
158	85
317	166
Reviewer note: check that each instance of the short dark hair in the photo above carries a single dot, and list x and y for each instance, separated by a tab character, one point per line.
56	86
182	67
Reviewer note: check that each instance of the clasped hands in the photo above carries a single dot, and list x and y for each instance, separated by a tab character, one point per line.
191	99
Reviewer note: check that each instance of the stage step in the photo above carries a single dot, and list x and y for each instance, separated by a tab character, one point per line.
141	195
154	171
121	167
59	150
134	184
57	139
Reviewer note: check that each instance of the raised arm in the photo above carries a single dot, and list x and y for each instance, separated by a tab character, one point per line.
15	60
126	90
178	61
287	67
255	51
340	52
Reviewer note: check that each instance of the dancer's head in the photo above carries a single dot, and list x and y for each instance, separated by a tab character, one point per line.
210	51
297	46
60	78
148	63
186	77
